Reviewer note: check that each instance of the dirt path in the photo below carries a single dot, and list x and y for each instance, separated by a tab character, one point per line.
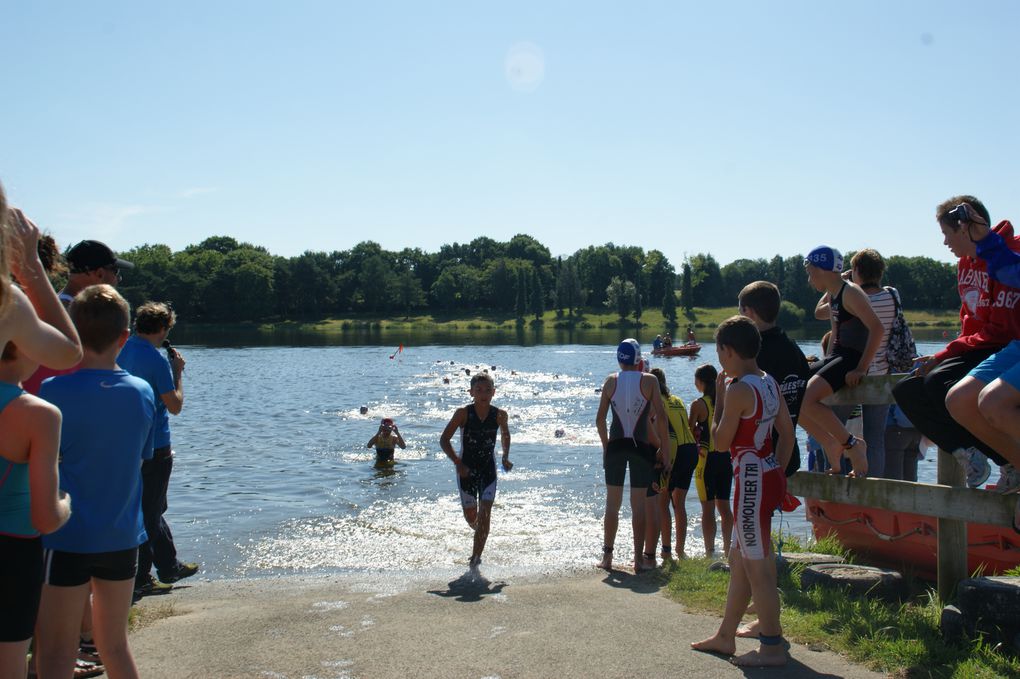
588	625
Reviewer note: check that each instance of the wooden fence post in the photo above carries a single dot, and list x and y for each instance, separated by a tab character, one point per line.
952	537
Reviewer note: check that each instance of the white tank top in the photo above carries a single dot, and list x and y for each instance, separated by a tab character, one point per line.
628	404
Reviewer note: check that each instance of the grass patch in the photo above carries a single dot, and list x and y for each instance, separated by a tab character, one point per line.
902	639
143	616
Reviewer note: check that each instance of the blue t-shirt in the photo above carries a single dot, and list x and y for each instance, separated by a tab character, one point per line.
141	359
107	431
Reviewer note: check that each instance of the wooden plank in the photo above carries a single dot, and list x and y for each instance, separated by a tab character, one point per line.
942	501
873	390
952	538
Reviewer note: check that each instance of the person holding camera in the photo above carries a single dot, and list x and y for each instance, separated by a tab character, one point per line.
141	357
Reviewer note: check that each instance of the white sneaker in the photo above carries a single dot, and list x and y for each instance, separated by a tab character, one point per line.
1009	479
975	463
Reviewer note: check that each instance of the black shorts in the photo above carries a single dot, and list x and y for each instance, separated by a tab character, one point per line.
71	569
718	476
383	455
21	571
833	369
639	456
683	466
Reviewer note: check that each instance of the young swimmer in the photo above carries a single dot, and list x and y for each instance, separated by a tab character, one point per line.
746	411
634	439
856	335
108	430
714	474
30	503
476	465
672	485
385	442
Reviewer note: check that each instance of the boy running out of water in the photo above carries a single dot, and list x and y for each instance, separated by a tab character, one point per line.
746	411
476	466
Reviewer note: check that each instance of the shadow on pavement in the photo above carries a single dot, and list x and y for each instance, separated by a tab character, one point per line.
470	587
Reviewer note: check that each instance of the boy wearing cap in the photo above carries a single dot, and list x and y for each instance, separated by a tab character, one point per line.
385	441
91	263
856	336
638	438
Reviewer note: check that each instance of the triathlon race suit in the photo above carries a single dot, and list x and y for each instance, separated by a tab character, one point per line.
783	359
384	447
713	477
21	568
683	450
628	434
848	343
760	483
478	445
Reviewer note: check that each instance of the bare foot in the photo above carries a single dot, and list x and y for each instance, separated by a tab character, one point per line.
607	559
749	631
716	644
643	563
858	454
765	656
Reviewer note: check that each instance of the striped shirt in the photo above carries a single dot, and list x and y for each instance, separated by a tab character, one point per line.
885	308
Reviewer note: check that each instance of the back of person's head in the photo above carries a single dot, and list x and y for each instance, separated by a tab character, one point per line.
482	377
763	298
154	317
706	374
101	316
661	376
739	334
944	207
629	352
869	265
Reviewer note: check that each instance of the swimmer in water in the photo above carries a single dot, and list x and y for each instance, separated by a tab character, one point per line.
385	442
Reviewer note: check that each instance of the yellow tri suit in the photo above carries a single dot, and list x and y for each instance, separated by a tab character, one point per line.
679	431
705	444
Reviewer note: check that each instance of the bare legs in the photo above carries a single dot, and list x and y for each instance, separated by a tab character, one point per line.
726	518
818	420
614	499
989	412
478	518
757	578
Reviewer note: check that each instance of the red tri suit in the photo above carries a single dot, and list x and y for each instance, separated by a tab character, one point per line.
760	484
988	309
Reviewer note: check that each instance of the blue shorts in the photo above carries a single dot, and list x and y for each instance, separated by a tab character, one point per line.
1004	365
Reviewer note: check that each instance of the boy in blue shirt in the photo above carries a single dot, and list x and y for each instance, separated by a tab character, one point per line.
142	358
107	430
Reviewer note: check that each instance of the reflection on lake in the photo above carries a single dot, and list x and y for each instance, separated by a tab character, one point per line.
272	474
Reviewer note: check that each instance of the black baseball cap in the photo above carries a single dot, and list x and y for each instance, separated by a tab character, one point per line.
91	254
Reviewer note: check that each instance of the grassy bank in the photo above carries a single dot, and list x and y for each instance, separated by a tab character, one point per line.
902	639
651	320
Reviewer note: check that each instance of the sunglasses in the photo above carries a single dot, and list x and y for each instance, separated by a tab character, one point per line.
115	270
963	213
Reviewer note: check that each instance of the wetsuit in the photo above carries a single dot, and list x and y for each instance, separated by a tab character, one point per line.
628	434
850	337
783	359
713	476
385	444
760	483
21	568
683	449
478	445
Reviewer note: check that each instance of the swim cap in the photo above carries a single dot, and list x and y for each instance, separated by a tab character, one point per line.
825	258
629	352
387	422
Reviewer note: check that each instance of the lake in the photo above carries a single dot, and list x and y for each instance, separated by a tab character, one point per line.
272	475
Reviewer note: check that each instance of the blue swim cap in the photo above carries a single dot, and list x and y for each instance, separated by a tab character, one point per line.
629	352
825	258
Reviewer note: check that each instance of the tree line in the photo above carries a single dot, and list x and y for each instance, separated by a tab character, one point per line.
222	279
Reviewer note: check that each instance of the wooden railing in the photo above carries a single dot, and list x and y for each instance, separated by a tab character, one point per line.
950	501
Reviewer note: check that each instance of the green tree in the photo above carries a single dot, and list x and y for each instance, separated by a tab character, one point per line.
669	306
521	303
408	291
687	290
620	295
537	297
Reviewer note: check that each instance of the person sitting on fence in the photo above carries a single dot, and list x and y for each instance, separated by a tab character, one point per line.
997	378
856	335
941	399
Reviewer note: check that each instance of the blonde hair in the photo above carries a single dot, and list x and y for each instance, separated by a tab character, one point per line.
100	315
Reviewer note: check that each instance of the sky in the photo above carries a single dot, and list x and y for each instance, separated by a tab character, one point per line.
740	129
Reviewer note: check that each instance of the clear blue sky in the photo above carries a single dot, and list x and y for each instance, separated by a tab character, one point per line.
743	129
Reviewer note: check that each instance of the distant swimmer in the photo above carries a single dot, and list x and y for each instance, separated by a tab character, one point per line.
385	442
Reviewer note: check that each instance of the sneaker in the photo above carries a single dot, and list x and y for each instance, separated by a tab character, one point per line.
180	571
151	586
1009	479
975	464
